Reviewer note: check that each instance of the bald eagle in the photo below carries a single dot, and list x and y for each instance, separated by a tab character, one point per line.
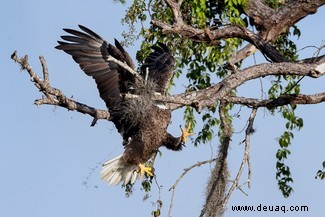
141	122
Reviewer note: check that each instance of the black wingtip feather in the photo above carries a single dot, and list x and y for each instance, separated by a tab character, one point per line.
118	45
90	32
61	44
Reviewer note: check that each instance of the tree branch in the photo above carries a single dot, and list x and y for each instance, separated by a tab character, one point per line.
246	158
53	96
258	11
198	99
231	31
271	23
286	99
186	170
279	22
209	96
124	66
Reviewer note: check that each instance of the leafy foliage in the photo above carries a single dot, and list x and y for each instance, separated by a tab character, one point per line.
286	85
204	63
321	173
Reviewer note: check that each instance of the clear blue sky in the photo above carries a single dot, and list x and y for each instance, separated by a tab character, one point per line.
46	153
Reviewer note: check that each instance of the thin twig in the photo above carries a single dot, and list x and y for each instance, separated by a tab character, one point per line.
186	170
159	201
45	70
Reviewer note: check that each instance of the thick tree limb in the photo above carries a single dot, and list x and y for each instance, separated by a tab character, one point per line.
53	96
271	23
287	15
209	96
296	99
258	11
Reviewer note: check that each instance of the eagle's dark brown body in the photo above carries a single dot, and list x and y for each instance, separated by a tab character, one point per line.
151	135
141	122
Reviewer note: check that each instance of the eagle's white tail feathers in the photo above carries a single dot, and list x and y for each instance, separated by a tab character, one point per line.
116	170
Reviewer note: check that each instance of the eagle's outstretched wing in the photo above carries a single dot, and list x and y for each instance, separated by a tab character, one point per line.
91	51
141	122
160	66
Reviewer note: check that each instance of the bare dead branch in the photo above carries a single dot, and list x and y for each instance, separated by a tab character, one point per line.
45	70
53	96
186	170
124	66
246	158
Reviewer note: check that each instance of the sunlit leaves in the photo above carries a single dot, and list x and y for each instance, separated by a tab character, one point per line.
198	12
286	47
234	9
321	173
146	184
136	12
207	132
293	122
283	175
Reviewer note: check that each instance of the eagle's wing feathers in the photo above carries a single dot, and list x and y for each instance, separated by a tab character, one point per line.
142	124
160	64
91	51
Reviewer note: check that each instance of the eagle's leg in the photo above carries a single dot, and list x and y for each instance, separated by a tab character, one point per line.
185	133
143	169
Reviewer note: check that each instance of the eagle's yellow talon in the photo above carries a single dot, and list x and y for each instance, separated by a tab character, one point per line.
185	133
143	169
